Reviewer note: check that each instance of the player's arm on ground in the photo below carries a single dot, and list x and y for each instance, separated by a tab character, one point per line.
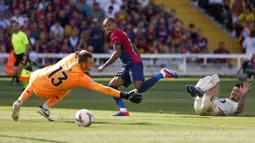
88	83
244	90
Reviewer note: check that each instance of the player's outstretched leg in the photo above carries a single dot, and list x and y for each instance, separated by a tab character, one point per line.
15	110
203	85
45	113
168	73
164	73
17	104
44	109
194	91
122	108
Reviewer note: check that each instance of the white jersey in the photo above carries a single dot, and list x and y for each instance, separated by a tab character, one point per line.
228	106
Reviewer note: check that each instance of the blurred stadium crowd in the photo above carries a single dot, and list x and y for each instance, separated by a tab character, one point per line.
235	15
64	26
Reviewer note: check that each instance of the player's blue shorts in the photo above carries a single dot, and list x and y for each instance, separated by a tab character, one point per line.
130	73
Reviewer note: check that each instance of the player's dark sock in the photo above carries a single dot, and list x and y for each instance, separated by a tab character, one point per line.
149	83
17	80
13	78
118	101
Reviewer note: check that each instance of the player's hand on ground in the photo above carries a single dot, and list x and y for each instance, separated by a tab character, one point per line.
132	96
246	87
100	69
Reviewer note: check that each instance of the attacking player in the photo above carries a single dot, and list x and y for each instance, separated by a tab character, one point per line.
132	69
206	94
56	81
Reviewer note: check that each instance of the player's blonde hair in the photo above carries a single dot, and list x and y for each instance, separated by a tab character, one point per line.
83	56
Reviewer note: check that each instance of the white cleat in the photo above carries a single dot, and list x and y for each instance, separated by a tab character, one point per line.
45	113
15	110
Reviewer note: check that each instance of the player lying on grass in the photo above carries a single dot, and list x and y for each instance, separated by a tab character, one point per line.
132	69
206	94
56	81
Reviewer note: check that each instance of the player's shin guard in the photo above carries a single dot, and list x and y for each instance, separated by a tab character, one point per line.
119	101
214	79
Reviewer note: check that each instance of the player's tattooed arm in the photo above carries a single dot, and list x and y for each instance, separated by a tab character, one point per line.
114	57
240	105
244	90
137	51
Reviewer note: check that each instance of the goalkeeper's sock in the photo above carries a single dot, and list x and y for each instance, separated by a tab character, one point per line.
123	110
119	101
26	94
149	83
51	102
45	106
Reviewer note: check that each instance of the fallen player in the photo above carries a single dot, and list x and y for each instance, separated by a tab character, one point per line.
206	94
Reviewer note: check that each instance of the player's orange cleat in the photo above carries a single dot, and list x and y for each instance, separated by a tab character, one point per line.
168	73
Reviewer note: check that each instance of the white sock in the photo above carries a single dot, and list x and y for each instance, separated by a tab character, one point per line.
45	106
123	109
210	83
20	101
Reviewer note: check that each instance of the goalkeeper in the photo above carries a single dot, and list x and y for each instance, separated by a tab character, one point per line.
56	81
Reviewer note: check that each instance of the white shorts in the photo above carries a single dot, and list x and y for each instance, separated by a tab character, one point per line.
206	105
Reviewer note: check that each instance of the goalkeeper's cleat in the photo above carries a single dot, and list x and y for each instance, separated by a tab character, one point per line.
194	91
168	73
119	113
15	110
45	113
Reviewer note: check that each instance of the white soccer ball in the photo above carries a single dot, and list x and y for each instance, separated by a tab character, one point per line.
84	118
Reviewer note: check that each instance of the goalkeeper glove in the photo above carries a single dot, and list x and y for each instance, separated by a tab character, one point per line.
132	96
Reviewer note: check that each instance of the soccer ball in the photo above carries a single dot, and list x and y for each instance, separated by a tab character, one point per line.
84	118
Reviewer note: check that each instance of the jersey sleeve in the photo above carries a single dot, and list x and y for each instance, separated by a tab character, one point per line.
116	38
87	82
25	40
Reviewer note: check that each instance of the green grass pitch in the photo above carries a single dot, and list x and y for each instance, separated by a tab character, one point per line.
166	115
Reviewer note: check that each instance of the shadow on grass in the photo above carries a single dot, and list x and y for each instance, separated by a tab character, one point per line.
110	123
31	138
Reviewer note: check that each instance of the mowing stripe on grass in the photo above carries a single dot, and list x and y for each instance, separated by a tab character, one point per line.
183	124
166	79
